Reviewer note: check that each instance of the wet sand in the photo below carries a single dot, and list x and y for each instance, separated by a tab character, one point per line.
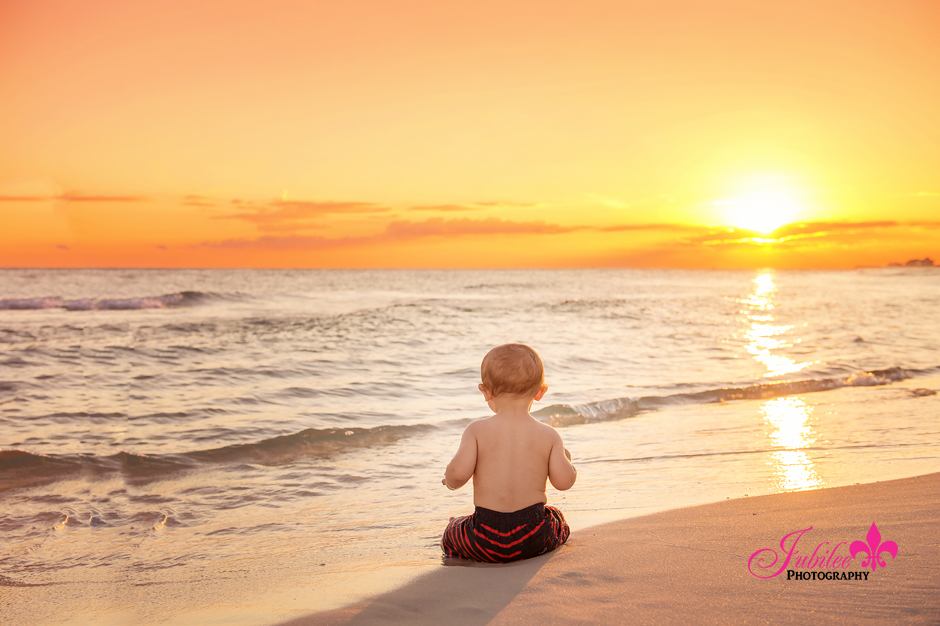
686	565
691	566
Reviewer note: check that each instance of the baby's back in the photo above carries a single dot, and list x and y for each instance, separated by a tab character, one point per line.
512	462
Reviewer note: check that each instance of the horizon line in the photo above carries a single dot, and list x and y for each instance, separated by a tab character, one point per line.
478	269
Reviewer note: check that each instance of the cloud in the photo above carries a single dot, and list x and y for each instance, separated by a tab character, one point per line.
801	245
474	206
808	238
303	207
280	215
633	227
785	234
73	197
197	200
399	230
160	246
925	194
503	203
25	198
686	235
287	242
77	197
465	226
62	247
802	228
448	207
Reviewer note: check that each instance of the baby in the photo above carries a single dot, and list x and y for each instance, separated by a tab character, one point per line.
509	455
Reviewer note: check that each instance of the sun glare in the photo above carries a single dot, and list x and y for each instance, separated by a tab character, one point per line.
762	212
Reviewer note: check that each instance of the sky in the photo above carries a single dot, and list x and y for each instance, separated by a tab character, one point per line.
429	134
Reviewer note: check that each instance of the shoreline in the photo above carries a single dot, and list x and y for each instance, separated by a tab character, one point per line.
691	563
252	590
652	568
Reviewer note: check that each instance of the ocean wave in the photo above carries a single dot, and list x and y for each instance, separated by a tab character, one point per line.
169	300
22	468
620	408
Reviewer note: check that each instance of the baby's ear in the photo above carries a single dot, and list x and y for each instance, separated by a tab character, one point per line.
541	392
486	392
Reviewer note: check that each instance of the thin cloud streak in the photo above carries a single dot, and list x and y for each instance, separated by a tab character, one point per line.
814	238
790	232
286	215
507	204
400	230
812	227
448	208
640	227
464	226
26	198
474	206
199	201
286	243
831	245
74	197
697	235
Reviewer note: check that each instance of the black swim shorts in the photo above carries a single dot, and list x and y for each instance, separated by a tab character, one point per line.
495	537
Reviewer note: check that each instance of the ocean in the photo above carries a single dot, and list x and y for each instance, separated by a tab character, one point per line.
279	436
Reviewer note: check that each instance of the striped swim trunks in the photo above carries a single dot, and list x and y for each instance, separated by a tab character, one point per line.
495	537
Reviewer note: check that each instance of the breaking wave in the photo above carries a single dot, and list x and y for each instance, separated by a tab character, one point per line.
22	468
183	298
620	408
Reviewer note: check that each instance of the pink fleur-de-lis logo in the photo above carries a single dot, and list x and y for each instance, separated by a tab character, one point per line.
874	549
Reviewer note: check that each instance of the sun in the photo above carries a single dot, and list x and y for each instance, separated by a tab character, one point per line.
761	211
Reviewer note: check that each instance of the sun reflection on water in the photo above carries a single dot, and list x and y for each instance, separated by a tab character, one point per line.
789	418
762	336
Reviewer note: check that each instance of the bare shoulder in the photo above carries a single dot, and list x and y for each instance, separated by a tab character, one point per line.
547	432
475	427
483	427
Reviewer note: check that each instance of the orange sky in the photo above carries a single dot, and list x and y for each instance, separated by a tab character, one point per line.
389	133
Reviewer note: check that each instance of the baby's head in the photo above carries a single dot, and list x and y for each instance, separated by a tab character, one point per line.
513	369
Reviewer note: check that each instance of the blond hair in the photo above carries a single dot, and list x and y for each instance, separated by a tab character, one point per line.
513	368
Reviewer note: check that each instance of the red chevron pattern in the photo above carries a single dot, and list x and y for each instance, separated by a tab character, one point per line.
505	537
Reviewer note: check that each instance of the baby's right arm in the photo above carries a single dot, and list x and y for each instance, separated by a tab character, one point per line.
461	467
561	472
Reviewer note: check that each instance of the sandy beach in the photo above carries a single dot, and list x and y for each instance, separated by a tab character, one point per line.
690	565
687	565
